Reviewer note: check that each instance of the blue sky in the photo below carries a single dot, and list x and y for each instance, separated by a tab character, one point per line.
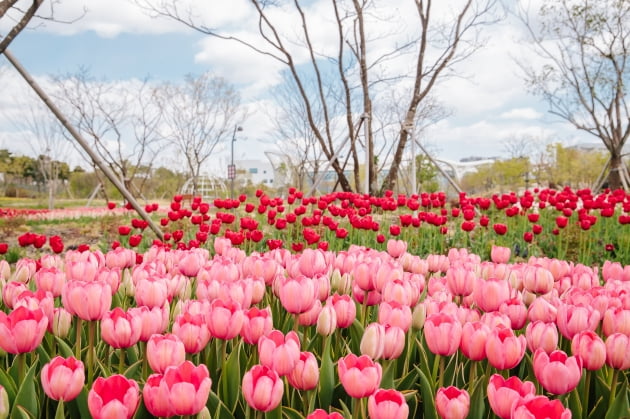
117	41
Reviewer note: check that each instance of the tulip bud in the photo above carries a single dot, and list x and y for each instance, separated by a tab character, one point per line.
418	316
62	320
327	321
204	414
373	341
4	403
126	284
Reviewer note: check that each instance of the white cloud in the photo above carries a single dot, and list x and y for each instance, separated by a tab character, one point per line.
521	113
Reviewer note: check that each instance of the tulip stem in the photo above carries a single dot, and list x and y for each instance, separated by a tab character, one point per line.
121	360
613	386
77	349
364	308
587	383
21	360
90	354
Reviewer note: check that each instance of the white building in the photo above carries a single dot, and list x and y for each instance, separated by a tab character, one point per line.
258	171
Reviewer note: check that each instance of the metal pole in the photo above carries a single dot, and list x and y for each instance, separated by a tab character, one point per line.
77	136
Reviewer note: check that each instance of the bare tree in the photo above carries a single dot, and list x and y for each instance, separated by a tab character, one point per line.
121	122
198	115
585	46
9	10
358	66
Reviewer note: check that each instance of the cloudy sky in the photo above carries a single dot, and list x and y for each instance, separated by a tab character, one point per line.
487	101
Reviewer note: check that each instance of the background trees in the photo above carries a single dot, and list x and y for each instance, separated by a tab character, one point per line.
584	47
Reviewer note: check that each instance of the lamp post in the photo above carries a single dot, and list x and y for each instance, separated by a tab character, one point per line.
232	168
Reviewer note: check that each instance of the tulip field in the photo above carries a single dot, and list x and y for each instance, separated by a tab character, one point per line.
335	306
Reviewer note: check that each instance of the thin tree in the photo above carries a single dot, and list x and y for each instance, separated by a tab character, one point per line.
199	114
585	48
358	66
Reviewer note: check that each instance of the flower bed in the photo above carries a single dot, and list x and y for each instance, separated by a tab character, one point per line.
336	306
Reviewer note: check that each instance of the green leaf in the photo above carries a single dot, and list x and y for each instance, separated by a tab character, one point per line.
619	407
575	403
43	356
275	413
9	385
346	412
326	377
428	398
60	414
216	405
132	371
408	381
63	348
26	397
78	407
20	413
289	413
231	379
477	402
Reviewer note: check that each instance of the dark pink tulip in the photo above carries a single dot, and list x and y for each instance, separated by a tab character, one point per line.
181	390
387	404
557	372
591	348
87	300
22	330
443	333
62	379
503	349
617	354
256	323
473	342
121	329
539	407
164	351
504	394
279	352
322	414
305	375
452	403
360	376
262	388
541	335
113	397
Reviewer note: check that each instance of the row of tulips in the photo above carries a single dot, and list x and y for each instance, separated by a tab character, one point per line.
354	333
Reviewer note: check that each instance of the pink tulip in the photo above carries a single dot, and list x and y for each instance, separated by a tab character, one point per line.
24	270
279	352
87	300
224	319
557	372
395	314
403	291
50	279
591	348
305	375
473	341
489	294
11	290
516	312
62	321
359	376
81	270
256	323
260	266
22	330
345	308
537	279
309	318
396	248
372	298
616	320
121	257
113	397
443	333
34	300
154	320
262	388
298	294
181	390
121	329
500	254
542	335
504	394
503	349
191	262
452	403
193	331
617	354
460	280
394	342
327	320
574	319
373	341
151	292
388	404
62	379
541	309
387	271
363	275
164	351
539	407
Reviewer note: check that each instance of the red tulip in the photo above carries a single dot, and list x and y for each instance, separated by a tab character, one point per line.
113	397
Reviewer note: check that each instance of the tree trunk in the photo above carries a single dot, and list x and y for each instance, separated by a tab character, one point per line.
614	175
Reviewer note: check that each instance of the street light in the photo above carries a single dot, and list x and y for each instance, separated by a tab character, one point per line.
232	168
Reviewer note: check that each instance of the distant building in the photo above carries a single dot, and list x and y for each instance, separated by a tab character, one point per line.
258	171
